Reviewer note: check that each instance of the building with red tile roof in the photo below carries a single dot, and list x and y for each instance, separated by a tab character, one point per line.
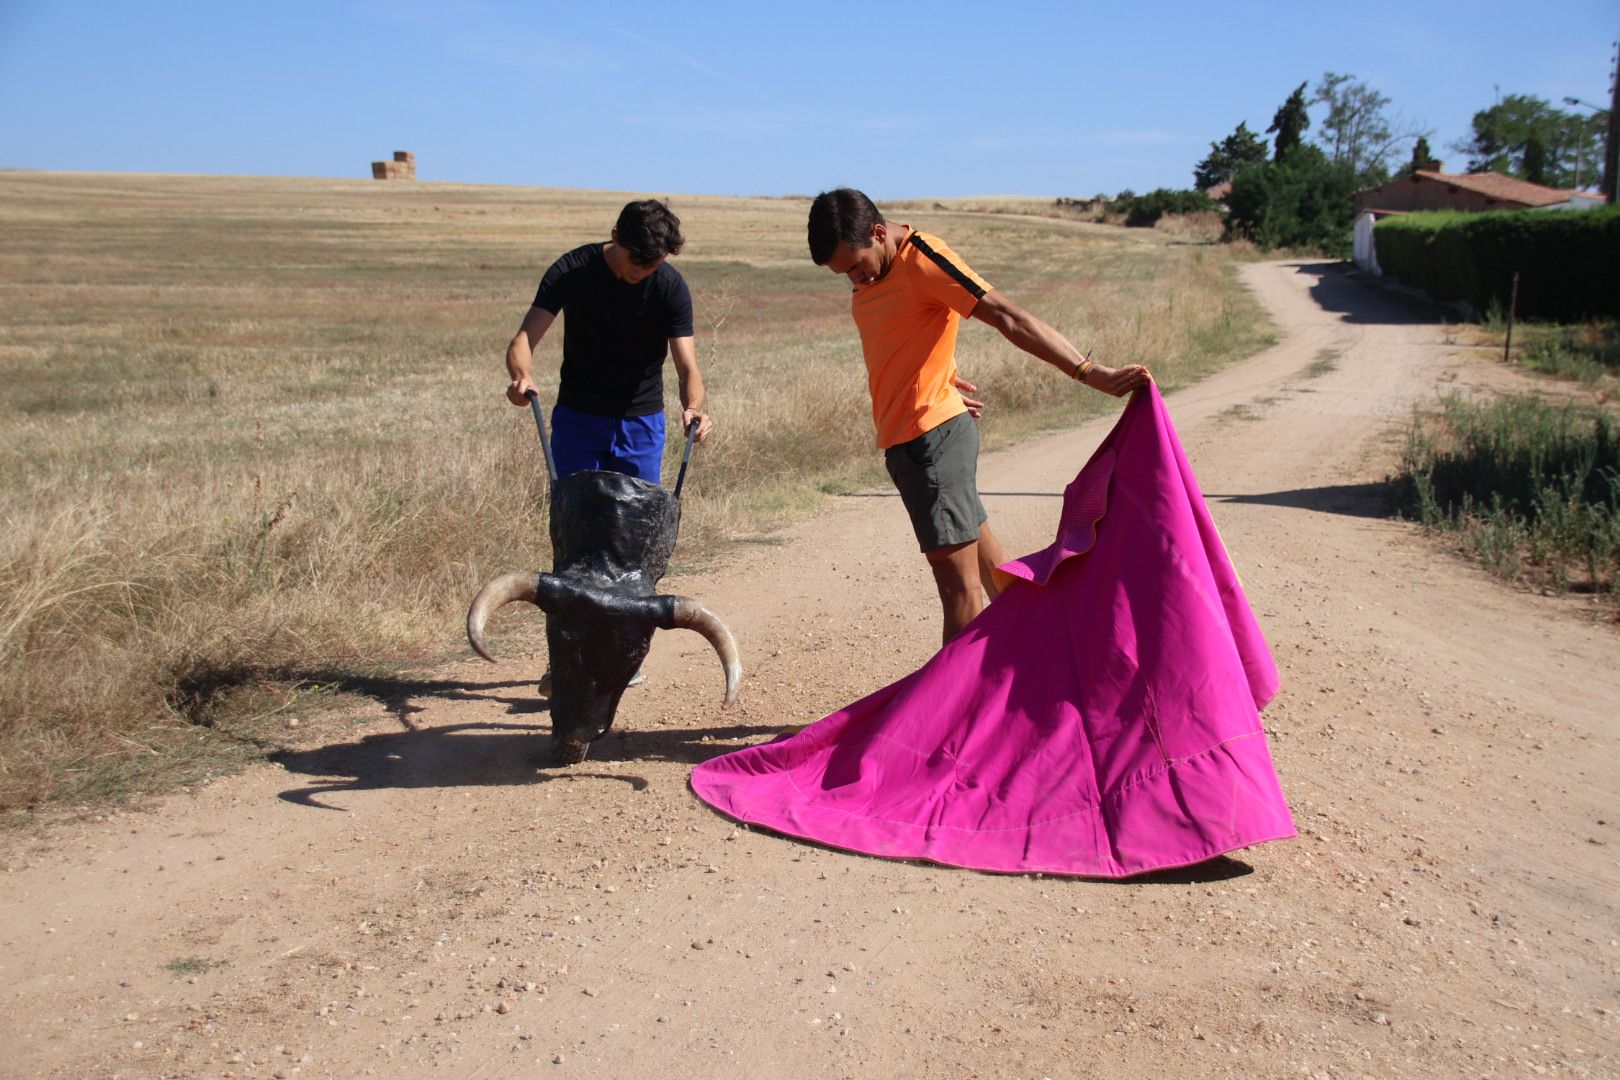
1430	189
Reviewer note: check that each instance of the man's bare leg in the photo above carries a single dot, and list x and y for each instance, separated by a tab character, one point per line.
956	575
991	556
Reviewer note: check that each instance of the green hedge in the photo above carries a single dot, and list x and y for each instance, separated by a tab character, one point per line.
1568	261
1144	211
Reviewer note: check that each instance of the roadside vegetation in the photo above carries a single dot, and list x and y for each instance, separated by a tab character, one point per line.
255	451
1530	486
1530	483
1588	352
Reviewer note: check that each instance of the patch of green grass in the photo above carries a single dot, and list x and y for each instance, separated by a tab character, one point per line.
1533	488
1240	411
193	965
1326	362
1587	352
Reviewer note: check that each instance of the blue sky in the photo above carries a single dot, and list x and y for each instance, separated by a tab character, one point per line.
903	99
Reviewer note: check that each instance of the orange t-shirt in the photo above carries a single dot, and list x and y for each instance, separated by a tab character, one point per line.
908	324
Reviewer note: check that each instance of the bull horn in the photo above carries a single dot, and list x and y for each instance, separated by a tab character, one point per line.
518	585
691	615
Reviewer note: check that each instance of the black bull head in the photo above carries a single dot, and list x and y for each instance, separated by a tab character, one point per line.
611	538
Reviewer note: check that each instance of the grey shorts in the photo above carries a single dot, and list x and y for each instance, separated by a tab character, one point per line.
937	477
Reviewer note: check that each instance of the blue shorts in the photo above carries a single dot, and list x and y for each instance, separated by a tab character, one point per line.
633	445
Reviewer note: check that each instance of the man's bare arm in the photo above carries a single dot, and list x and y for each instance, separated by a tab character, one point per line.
520	353
683	351
1044	343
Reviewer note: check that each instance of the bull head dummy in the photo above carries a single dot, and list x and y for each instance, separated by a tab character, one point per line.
611	538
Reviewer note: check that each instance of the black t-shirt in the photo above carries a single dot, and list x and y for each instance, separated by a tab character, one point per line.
615	334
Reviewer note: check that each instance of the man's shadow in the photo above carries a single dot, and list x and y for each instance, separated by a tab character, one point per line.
474	754
1381	499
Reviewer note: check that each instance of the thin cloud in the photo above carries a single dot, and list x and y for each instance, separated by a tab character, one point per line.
764	121
533	54
1154	138
686	59
485	35
1008	143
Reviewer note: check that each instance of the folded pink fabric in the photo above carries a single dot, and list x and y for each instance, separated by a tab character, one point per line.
1100	718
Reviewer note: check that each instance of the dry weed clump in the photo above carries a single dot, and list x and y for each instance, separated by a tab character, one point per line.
129	625
1202	226
256	446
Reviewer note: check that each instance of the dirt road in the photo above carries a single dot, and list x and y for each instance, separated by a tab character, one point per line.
417	900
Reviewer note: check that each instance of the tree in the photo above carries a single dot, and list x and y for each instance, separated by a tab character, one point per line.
1301	201
1290	122
1242	147
1422	157
1143	211
1358	129
1533	164
1301	197
1522	134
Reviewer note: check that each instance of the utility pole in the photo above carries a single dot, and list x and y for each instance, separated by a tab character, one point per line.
1580	141
1611	142
1611	136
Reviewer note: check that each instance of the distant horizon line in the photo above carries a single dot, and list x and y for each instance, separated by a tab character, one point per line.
371	181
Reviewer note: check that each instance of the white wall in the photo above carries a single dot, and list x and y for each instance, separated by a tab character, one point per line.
1365	255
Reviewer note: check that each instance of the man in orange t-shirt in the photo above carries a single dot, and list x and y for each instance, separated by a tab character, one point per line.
911	294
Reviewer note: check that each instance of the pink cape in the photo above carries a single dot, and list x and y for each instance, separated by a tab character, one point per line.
1100	718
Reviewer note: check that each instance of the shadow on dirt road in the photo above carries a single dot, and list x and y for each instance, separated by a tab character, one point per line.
1340	288
474	754
1373	500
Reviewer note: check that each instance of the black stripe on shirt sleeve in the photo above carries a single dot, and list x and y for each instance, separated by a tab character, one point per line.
974	289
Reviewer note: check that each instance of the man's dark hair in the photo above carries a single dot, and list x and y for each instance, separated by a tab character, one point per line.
648	231
843	216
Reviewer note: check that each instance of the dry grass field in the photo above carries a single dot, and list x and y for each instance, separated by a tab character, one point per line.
254	443
1200	227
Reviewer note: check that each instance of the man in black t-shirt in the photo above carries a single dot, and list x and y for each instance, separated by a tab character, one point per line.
623	305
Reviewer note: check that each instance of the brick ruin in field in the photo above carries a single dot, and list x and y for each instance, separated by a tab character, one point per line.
403	167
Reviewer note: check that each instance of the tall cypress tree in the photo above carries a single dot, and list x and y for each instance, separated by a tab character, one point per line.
1290	123
1422	157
